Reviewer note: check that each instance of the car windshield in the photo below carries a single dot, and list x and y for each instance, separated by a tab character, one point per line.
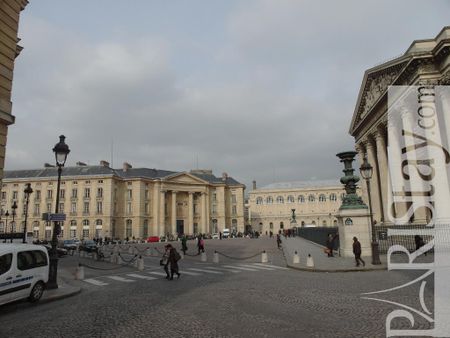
89	242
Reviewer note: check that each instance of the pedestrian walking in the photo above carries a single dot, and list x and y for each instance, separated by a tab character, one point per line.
330	245
184	244
278	241
201	244
174	257
357	252
165	260
220	235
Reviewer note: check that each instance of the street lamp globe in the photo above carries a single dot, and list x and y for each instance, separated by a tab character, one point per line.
366	169
28	190
61	151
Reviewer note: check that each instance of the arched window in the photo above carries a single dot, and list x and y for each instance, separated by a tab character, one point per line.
269	200
271	226
281	225
322	198
73	223
280	200
129	228
215	227
85	222
98	222
313	222
333	197
301	199
303	223
324	223
335	222
234	225
85	228
311	198
290	199
259	200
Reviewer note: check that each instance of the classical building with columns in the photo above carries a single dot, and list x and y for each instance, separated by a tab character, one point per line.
9	50
100	201
425	62
315	203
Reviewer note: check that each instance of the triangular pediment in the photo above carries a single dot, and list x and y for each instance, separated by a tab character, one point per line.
184	178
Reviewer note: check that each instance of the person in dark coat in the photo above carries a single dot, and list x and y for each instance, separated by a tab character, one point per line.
419	242
184	244
357	252
330	245
173	261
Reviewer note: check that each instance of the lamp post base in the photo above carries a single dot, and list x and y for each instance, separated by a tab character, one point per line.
52	273
375	254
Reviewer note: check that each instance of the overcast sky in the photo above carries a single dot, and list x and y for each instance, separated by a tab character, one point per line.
263	90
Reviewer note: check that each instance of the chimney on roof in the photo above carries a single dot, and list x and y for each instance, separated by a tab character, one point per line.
254	185
126	166
224	176
81	164
48	165
104	163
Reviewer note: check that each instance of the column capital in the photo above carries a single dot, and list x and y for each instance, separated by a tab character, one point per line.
191	192
174	192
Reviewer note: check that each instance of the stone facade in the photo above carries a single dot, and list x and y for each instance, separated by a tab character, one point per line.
315	203
9	50
426	62
130	202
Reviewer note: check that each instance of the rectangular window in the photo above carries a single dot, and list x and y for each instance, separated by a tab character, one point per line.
115	207
36	210
195	209
86	208
99	207
214	209
87	192
73	208
214	197
73	233
146	208
100	192
48	234
49	193
74	193
49	207
15	195
146	194
234	210
85	233
3	195
129	194
62	193
61	208
129	208
36	234
38	195
233	198
100	181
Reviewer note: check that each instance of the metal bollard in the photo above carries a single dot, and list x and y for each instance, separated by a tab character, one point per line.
296	258
216	257
79	272
203	257
140	263
264	258
309	261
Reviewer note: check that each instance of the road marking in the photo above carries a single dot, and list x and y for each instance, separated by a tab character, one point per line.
257	267
121	279
190	273
140	276
270	266
207	271
223	269
240	268
95	282
157	273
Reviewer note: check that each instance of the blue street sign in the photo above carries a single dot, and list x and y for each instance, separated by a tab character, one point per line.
53	217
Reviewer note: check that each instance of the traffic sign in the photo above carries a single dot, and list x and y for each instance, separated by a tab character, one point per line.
53	217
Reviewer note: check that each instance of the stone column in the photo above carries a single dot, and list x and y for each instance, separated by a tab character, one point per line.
156	231
208	218
203	218
162	212
361	154
190	229
382	169
174	213
374	185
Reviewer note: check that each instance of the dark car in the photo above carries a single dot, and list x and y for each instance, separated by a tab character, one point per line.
88	246
60	251
68	244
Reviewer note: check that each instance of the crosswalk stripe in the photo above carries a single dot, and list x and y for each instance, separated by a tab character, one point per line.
140	276
121	279
156	273
257	267
223	269
95	282
271	266
183	272
207	271
240	268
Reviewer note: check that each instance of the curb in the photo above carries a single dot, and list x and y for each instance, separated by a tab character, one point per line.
73	292
336	270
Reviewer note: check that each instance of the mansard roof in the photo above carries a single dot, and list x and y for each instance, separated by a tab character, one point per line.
104	171
303	185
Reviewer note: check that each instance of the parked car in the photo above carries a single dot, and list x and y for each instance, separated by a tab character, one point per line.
23	272
153	239
215	236
60	251
226	233
68	244
88	245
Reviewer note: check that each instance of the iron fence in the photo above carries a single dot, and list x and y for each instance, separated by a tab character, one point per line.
407	241
319	235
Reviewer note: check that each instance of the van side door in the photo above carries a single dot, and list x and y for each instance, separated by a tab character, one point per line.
7	271
24	276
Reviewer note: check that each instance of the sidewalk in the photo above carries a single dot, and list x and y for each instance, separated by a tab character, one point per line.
64	289
322	263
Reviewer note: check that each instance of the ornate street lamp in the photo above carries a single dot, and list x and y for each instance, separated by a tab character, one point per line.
61	151
27	192
13	223
6	223
366	171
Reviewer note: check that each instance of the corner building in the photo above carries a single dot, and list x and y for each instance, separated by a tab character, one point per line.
130	202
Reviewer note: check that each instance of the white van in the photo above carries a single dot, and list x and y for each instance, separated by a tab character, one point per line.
23	272
226	233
